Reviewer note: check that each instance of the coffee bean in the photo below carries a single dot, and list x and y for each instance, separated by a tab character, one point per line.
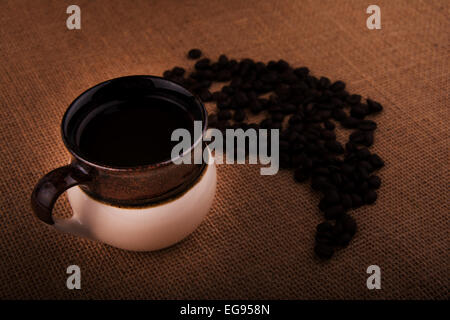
350	122
301	174
374	106
324	227
334	146
358	136
344	239
308	141
223	60
337	86
194	54
349	224
376	161
205	95
354	99
224	115
212	120
167	74
367	125
368	139
324	82
374	181
334	212
363	153
338	228
357	201
332	196
346	200
329	125
202	64
359	111
277	117
239	115
321	183
370	197
324	238
323	251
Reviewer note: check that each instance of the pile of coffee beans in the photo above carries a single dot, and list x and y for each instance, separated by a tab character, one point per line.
306	109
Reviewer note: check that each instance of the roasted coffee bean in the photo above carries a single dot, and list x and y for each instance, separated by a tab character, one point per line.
331	197
284	145
205	95
344	239
288	108
367	125
374	181
368	139
350	122
337	86
276	125
202	64
349	224
212	120
301	174
376	161
324	227
194	54
323	251
363	153
359	111
370	197
178	71
321	183
366	165
308	141
336	178
329	125
363	173
167	74
346	200
324	238
239	115
328	135
354	99
334	146
255	106
374	106
224	115
358	136
324	82
338	227
277	117
350	147
362	188
357	201
301	72
285	160
223	60
223	75
334	212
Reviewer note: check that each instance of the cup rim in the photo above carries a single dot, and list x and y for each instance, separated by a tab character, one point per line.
103	166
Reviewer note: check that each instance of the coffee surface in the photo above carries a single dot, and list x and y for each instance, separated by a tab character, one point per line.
132	133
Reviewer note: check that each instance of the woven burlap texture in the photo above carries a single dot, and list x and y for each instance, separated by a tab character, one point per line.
257	240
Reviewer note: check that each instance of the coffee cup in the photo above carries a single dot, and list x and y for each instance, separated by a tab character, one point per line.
123	185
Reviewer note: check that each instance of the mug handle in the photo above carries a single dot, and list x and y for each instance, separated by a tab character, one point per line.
52	185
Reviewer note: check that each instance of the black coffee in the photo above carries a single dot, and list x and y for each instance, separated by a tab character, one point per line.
132	133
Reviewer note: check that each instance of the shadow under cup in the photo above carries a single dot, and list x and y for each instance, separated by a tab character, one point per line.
126	184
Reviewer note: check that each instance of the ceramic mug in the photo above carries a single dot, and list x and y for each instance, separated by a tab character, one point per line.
140	208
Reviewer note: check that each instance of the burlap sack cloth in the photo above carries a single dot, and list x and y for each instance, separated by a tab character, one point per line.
257	240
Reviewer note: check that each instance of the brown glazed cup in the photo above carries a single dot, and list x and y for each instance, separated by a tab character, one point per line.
129	188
